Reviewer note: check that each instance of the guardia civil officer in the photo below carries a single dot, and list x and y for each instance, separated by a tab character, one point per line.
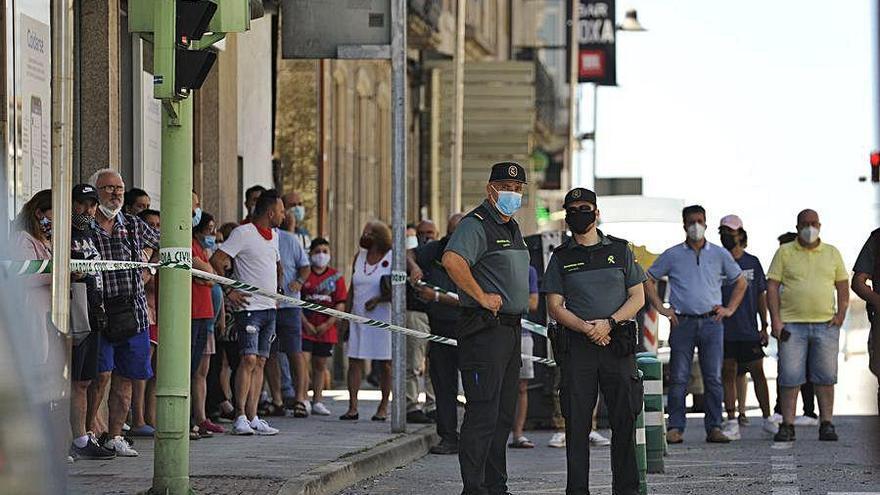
594	290
488	260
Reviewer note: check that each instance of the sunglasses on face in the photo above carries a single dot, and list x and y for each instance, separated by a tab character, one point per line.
579	209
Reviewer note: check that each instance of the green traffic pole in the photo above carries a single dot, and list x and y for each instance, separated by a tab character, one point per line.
171	461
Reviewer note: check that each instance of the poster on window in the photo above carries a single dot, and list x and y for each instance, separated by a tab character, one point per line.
36	104
596	34
151	136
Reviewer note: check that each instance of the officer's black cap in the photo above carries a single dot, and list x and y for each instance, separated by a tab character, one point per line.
508	171
579	194
85	192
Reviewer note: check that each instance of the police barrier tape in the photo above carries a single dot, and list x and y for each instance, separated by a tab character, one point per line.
528	325
31	267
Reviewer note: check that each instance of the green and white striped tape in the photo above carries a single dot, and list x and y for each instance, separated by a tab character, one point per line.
528	325
31	267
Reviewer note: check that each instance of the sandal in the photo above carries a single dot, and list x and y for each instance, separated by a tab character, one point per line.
274	410
349	417
378	418
300	410
521	442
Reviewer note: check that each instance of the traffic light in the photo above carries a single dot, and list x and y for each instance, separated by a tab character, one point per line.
192	66
179	65
875	166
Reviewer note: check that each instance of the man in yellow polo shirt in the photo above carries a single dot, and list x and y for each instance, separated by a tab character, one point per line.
806	320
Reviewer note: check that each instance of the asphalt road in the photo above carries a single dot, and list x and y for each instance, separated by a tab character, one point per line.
751	466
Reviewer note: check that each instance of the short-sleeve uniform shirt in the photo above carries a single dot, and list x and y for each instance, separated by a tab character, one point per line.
497	256
593	279
695	277
808	277
256	262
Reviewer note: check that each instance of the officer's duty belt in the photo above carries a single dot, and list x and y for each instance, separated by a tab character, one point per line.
506	320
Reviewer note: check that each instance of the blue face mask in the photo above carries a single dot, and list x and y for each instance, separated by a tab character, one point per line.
508	202
209	242
299	212
197	216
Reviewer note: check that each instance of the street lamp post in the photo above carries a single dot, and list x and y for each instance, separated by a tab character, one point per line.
630	24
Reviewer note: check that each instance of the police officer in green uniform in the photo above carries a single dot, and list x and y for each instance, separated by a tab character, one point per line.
594	290
488	260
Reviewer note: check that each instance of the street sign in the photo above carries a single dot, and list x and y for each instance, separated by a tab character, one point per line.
335	28
596	33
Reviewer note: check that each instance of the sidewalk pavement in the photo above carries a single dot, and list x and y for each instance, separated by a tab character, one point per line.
311	456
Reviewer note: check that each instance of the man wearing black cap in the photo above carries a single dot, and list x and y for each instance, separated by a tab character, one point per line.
488	260
594	290
84	358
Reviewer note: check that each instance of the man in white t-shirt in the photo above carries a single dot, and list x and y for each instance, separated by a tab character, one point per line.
254	247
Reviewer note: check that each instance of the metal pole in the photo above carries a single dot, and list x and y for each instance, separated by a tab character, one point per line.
595	128
457	137
398	211
171	459
572	87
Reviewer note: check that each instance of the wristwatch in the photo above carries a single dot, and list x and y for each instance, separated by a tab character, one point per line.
612	322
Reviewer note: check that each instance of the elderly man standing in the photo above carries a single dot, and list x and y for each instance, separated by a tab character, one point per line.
805	320
488	260
125	345
696	269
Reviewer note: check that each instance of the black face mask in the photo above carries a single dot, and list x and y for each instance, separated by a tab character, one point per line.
81	221
728	241
580	222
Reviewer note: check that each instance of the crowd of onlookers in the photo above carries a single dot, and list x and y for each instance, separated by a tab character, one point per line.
254	358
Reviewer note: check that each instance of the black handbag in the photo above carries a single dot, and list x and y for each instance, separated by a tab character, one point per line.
121	310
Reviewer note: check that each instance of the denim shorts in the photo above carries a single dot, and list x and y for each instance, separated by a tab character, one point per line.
816	342
198	340
256	331
289	330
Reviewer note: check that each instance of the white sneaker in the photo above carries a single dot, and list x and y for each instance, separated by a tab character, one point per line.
121	447
242	426
557	441
597	440
776	418
730	429
261	427
125	427
806	421
308	406
770	427
319	409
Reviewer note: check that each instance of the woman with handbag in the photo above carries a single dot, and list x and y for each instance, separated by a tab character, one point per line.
367	298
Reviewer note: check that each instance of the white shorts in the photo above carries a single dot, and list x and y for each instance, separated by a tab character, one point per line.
527	371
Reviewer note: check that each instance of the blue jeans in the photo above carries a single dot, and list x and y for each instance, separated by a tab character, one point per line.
706	335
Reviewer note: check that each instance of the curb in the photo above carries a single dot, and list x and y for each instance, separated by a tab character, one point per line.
353	468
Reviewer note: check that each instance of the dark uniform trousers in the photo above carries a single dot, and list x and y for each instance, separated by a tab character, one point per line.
489	356
587	368
443	366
